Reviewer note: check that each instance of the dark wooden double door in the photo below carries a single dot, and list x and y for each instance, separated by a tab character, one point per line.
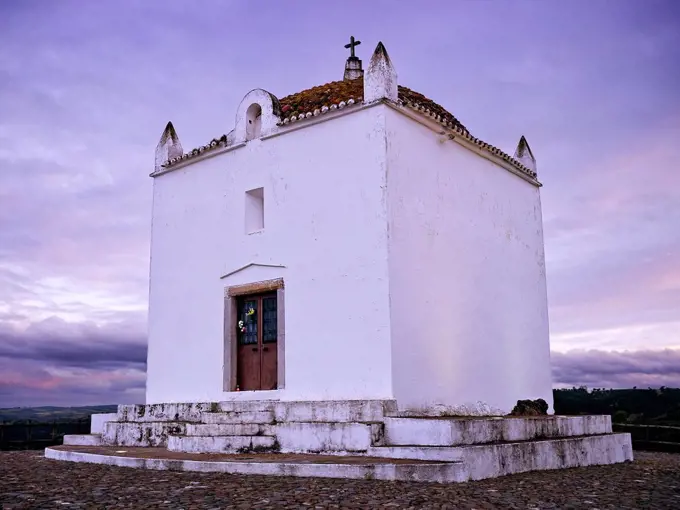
256	350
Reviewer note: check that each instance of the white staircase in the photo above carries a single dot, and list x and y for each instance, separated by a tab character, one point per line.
480	447
231	427
467	431
490	447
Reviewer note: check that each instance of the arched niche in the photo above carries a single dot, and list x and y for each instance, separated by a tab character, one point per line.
253	121
257	116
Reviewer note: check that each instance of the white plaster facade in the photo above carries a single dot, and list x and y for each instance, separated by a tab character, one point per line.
469	315
412	261
325	234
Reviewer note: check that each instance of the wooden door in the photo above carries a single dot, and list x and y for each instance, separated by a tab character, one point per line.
269	366
248	355
256	367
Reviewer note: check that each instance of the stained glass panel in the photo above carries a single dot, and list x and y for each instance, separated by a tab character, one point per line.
269	319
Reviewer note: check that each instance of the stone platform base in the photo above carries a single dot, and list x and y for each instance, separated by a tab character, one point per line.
304	465
276	435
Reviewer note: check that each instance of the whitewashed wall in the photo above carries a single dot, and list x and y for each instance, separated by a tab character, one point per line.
324	221
467	277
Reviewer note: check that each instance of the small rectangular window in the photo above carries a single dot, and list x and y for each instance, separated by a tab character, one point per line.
254	210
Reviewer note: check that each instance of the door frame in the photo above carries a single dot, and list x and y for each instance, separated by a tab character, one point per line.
231	295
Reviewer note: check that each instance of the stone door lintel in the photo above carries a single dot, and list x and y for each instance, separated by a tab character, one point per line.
255	287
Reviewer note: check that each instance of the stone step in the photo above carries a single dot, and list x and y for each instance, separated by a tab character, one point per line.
357	411
97	421
488	461
301	437
229	429
331	411
243	406
190	412
327	437
451	431
83	439
235	417
492	460
434	453
140	434
222	444
272	465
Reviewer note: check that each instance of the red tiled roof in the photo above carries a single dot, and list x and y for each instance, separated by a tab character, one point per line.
343	90
338	94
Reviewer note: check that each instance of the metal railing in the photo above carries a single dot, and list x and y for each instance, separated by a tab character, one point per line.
664	438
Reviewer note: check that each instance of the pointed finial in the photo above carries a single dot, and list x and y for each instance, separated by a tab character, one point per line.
168	146
524	155
380	79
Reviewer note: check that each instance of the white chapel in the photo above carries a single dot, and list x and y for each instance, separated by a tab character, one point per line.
349	273
353	241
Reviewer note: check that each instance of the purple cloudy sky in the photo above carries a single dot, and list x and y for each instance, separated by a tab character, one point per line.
87	87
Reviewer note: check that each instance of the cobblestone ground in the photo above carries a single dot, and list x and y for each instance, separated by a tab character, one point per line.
29	481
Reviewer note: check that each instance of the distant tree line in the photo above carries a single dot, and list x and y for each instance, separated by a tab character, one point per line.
639	406
51	414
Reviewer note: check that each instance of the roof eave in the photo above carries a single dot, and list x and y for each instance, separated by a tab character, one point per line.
463	138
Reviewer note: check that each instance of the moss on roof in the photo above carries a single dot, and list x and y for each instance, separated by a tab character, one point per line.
343	90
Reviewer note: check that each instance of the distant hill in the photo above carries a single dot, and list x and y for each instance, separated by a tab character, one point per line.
637	406
52	413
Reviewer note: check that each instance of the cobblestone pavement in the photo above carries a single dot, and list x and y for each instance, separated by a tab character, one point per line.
29	481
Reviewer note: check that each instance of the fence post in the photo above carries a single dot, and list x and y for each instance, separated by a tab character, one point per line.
29	434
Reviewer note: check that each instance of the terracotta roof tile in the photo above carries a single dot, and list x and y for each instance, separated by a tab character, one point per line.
322	95
334	92
338	94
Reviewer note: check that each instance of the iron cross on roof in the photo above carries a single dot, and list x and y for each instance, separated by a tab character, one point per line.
351	45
